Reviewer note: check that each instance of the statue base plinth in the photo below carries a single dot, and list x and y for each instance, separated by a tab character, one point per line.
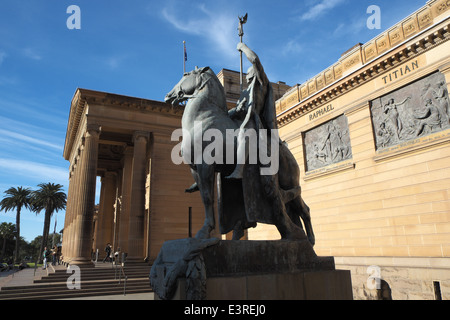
190	269
314	285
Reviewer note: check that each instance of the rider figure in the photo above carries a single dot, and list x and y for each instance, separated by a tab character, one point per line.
256	103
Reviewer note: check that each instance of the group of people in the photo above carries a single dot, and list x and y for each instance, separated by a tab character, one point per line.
108	250
109	257
9	265
55	255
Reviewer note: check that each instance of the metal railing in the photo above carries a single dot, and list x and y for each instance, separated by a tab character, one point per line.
121	270
125	280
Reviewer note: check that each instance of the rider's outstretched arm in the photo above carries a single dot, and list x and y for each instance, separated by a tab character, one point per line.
254	60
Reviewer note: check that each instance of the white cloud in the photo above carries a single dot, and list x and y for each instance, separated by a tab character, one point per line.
28	139
112	62
292	47
218	28
353	29
115	61
39	171
44	138
31	54
320	8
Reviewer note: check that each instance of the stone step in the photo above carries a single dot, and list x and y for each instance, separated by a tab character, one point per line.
99	273
105	270
60	290
99	280
50	295
63	285
64	277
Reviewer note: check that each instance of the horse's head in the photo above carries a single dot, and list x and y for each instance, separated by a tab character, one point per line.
187	86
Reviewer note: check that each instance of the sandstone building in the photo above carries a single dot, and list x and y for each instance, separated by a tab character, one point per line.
371	134
127	143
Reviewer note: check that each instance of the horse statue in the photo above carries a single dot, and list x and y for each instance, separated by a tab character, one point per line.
241	203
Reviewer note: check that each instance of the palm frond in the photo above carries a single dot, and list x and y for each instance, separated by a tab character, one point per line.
16	198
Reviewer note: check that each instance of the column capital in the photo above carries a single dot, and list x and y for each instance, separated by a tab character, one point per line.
93	129
128	150
141	134
109	175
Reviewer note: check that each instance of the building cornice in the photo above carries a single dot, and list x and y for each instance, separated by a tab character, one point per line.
357	67
85	97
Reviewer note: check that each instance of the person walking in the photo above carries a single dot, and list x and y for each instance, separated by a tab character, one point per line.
54	253
44	255
108	252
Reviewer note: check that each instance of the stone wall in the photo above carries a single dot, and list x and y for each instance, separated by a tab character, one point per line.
390	197
403	283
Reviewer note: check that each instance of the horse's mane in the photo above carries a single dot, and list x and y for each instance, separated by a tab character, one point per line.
209	77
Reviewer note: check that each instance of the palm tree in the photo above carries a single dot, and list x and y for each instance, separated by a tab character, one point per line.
16	198
7	231
50	198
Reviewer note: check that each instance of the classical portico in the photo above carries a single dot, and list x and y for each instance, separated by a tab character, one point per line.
125	143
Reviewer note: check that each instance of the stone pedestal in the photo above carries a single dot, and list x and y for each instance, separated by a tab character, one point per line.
314	285
191	269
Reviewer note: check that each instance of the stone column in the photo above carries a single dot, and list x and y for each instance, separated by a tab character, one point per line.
71	205
84	209
105	224
117	210
122	237
67	218
137	212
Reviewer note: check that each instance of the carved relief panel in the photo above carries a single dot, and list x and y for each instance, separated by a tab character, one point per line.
327	144
411	112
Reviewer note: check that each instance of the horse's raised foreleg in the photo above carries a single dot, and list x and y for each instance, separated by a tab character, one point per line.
205	180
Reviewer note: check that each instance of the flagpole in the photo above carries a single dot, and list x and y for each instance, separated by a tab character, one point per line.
184	57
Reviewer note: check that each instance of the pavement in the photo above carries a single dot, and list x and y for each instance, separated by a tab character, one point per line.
134	296
26	277
23	277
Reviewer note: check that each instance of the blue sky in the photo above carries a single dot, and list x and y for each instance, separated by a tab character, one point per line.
135	48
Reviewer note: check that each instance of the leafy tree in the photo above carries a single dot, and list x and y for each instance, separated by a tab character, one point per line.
36	245
16	199
50	198
7	231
